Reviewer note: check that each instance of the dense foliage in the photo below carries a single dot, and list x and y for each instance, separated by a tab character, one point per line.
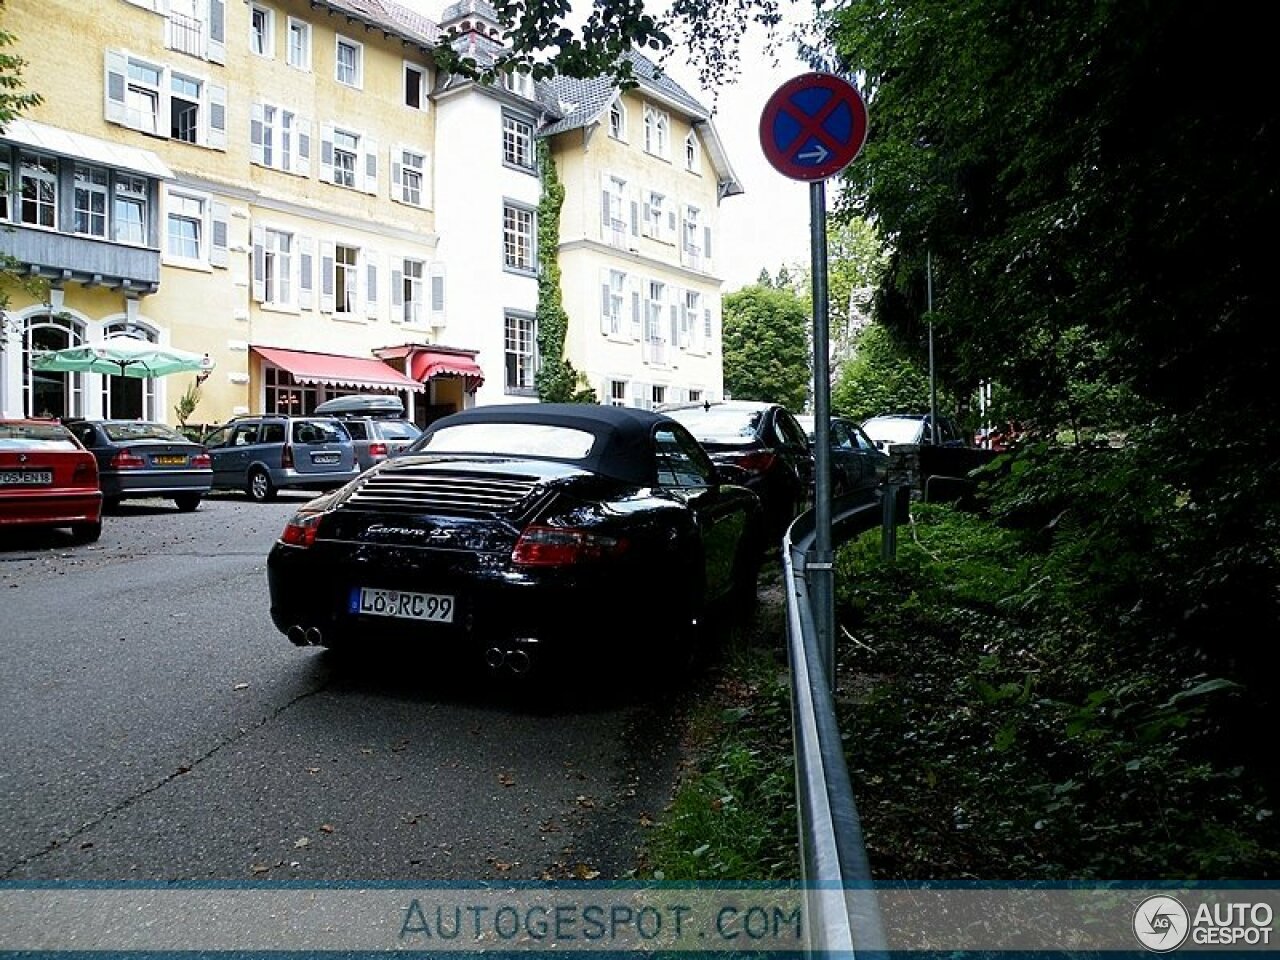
880	377
557	379
1095	208
766	346
1001	735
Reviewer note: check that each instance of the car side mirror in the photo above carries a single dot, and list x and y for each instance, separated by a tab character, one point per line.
731	473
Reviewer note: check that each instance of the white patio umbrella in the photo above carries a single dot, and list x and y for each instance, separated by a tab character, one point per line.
122	355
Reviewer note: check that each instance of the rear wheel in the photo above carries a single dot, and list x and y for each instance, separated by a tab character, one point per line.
260	487
187	501
86	532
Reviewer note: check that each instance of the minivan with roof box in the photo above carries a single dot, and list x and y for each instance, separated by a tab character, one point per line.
261	454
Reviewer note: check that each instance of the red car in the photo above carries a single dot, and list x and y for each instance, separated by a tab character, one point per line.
48	479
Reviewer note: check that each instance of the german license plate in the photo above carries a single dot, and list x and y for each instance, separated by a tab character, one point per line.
31	477
171	461
325	457
402	604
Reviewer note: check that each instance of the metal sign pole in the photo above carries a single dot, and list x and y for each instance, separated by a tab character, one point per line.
821	573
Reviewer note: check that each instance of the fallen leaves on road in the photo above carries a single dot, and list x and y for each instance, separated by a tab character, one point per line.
326	828
506	779
241	686
583	872
302	842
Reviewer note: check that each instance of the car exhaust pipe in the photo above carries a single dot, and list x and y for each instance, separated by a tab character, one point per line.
519	662
494	658
314	636
297	636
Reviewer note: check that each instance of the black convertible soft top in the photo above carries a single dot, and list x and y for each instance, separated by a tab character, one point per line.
623	446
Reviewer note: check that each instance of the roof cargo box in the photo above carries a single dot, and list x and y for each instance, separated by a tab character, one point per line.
363	405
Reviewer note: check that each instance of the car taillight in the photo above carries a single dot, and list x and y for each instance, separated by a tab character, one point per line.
754	462
564	546
377	449
202	461
286	457
125	460
84	470
301	530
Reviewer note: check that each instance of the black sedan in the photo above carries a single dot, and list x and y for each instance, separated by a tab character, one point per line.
765	442
521	533
856	462
137	458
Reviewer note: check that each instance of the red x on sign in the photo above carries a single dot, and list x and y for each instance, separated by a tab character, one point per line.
813	126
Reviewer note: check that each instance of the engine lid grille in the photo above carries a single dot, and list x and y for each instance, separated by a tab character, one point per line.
417	489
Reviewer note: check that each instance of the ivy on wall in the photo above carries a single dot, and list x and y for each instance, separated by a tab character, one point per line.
556	379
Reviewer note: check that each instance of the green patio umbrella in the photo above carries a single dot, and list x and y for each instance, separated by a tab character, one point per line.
122	356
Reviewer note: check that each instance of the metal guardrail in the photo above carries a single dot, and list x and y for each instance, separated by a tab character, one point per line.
845	917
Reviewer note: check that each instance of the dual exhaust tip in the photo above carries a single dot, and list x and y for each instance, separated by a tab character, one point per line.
301	636
516	660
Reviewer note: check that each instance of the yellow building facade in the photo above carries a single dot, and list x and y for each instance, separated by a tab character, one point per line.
252	181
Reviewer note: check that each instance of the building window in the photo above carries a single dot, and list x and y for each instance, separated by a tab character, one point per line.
346	152
39	186
655	216
658	394
286	395
277	270
413	167
51	394
260	31
690	317
186	28
692	153
142	97
414	86
346	279
518	83
691	242
617	393
130	210
414	290
517	143
657	132
299	44
695	396
517	237
91	201
613	294
185	226
184	108
521	355
349	69
618	121
6	184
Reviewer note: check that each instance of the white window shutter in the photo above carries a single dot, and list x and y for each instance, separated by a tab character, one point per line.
216	47
326	152
306	272
637	310
706	247
326	277
304	146
606	302
220	217
706	328
116	68
371	295
437	295
639	395
370	164
259	265
397	178
397	291
256	113
217	135
671	226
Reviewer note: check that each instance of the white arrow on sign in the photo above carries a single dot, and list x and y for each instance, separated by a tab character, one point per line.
818	154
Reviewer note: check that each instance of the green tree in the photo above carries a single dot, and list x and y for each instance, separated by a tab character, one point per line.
766	346
855	262
1095	227
879	377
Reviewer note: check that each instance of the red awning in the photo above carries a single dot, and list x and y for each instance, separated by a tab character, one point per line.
426	364
338	371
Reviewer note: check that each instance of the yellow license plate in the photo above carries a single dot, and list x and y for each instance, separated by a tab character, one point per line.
171	461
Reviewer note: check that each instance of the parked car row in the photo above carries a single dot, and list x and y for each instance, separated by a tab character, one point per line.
66	473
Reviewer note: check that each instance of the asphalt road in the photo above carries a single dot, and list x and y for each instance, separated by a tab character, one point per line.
155	726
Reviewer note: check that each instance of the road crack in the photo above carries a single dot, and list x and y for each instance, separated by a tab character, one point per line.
183	769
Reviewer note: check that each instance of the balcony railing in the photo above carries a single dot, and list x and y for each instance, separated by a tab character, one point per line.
186	34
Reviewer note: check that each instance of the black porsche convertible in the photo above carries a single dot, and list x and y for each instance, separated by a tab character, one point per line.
520	534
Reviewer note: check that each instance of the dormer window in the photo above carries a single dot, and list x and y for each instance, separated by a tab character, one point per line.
692	152
657	133
618	121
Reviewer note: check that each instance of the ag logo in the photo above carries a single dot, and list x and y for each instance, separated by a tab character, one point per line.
1161	923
